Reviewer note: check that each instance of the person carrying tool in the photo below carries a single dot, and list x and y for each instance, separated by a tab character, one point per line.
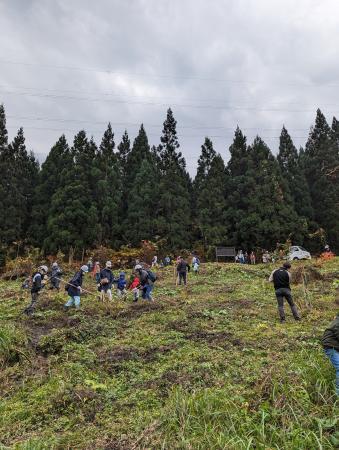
73	288
182	268
281	280
106	281
38	282
330	342
56	273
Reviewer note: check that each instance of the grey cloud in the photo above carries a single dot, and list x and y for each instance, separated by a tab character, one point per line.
279	59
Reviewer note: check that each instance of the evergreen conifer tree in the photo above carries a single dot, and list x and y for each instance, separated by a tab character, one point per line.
52	170
211	204
140	223
321	164
108	190
293	173
174	216
73	222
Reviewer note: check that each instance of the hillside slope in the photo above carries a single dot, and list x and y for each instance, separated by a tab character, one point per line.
207	367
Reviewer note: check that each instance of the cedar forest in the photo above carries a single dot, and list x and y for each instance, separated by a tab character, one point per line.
85	195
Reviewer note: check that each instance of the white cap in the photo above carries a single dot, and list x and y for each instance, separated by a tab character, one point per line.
108	264
84	268
55	264
44	268
138	267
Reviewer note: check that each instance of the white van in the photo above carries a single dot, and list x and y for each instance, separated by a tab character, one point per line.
297	252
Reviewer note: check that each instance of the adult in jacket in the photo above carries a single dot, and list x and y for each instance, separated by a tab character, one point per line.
73	288
330	342
281	279
106	281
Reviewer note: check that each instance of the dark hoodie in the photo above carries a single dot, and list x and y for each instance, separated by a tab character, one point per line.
331	335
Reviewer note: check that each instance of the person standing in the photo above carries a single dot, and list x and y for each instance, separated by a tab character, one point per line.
281	279
134	287
121	285
73	288
330	342
182	268
195	264
56	273
154	261
38	282
96	272
106	281
146	282
90	265
252	257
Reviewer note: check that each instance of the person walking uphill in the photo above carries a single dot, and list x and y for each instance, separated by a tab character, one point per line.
38	282
330	342
281	280
73	288
106	282
182	268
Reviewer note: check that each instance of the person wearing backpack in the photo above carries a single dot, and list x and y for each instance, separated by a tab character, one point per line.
182	268
73	288
134	287
38	282
147	279
56	273
330	342
106	282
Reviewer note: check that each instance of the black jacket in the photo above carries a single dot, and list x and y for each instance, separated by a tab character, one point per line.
37	282
331	335
183	267
281	279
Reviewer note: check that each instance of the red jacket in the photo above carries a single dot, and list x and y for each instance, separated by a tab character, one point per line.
135	283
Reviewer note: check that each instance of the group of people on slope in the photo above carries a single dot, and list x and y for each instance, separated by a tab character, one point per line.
281	279
142	281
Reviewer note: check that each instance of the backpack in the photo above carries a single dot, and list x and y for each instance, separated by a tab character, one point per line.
152	276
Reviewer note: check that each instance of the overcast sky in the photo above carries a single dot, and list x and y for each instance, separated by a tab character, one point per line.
67	65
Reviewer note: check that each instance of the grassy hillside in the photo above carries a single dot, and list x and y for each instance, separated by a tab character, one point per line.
207	367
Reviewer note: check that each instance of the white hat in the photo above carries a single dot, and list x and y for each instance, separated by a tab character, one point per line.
138	267
84	268
108	264
44	268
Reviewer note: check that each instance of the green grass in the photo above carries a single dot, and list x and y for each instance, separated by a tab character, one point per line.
207	367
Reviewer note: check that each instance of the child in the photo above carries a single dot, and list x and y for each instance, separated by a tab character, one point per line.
134	287
196	264
121	285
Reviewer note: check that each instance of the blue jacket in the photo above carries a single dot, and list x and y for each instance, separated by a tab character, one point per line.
74	290
107	273
121	282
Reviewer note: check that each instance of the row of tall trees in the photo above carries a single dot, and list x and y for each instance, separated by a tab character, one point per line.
84	195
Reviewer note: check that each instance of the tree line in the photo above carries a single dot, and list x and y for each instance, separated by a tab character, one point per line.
85	195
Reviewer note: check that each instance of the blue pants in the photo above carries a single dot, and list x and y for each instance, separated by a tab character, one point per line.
146	292
73	300
333	356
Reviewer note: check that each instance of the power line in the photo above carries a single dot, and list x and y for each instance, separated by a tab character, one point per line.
106	94
156	75
150	134
177	105
126	124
